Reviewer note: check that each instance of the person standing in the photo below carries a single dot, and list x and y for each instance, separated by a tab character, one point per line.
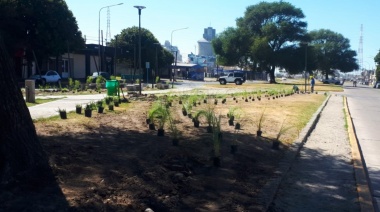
312	83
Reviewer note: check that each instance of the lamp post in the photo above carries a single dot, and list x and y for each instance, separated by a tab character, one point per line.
171	49
139	9
305	63
156	72
99	61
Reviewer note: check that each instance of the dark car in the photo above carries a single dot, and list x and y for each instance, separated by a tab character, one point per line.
95	75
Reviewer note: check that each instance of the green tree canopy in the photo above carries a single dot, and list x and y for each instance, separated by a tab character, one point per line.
47	27
332	52
266	32
231	48
128	39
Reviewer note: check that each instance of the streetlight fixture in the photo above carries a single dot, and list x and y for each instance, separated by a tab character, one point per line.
171	49
99	61
139	9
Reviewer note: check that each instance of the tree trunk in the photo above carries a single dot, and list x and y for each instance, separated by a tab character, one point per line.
271	75
21	155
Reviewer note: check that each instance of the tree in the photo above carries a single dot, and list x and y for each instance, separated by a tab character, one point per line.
128	39
21	155
377	61
46	27
332	52
230	46
273	27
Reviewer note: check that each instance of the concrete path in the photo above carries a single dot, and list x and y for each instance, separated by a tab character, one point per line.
322	176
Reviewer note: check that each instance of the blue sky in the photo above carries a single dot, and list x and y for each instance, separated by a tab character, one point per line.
163	16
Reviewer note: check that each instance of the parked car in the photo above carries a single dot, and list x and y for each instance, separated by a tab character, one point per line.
331	81
95	75
376	84
47	77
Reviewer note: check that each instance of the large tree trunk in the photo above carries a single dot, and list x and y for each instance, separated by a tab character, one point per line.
271	74
21	154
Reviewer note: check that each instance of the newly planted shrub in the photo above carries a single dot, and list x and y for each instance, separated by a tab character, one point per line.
259	123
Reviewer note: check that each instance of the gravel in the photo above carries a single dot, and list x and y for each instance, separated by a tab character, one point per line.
322	176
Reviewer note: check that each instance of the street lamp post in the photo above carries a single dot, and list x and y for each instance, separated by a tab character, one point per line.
99	60
156	72
139	9
171	49
305	63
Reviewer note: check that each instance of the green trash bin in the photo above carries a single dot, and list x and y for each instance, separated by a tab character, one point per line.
112	87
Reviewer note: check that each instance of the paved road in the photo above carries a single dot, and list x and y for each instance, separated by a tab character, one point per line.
364	105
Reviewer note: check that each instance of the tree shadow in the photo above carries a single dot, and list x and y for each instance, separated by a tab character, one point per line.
112	169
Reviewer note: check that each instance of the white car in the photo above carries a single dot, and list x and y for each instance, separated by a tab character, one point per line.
47	77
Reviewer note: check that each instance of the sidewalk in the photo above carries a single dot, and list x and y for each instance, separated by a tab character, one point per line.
68	102
322	176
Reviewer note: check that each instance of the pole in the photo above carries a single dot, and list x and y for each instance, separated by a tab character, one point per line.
139	9
99	31
175	65
305	64
156	71
171	48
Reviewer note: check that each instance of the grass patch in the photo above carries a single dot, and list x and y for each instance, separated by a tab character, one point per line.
319	86
41	101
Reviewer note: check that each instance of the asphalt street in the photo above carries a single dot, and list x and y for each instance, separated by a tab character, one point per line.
364	106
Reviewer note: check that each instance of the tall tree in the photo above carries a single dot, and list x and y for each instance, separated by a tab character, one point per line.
20	151
231	47
46	27
332	52
273	27
377	61
128	39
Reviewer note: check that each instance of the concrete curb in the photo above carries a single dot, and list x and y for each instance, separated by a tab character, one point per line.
361	176
269	191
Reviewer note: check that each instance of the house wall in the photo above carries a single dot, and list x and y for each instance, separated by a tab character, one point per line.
79	69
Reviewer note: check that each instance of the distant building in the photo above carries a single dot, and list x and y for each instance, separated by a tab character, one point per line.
209	34
173	50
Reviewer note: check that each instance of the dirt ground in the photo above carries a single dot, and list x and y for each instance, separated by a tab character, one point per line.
113	162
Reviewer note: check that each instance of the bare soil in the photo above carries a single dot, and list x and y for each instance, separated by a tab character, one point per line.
113	162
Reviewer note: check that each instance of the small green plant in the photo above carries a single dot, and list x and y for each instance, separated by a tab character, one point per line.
283	130
71	83
161	115
99	103
208	114
260	121
87	107
137	81
78	106
157	79
64	90
76	85
232	111
173	127
61	110
89	80
152	110
187	106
